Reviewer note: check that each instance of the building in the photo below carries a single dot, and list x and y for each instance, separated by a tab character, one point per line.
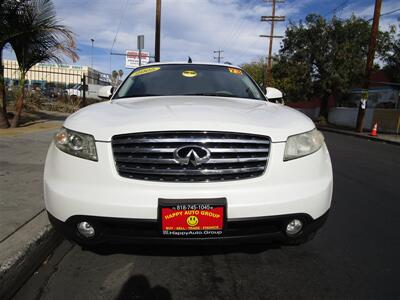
382	93
45	75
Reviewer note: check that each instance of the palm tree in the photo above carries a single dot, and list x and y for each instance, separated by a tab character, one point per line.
114	77
45	41
9	14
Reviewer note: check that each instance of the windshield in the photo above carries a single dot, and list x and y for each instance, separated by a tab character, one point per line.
189	79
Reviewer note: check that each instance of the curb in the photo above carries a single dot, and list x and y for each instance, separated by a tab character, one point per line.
24	251
359	135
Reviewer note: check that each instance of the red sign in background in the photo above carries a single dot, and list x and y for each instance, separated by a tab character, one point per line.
181	220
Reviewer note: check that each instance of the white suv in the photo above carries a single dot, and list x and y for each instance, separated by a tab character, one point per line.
186	152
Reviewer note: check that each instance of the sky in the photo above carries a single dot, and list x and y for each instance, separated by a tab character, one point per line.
192	28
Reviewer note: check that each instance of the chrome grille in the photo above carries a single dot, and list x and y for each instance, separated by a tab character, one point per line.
150	156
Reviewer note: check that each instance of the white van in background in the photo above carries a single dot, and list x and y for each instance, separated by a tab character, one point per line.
90	91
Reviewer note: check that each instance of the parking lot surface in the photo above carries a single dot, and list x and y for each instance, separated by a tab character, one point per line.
355	256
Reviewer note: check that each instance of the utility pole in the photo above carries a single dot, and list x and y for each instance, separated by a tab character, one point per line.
219	57
158	31
273	18
369	65
84	85
91	63
140	46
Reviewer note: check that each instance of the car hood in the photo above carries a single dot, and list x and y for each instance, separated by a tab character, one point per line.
173	113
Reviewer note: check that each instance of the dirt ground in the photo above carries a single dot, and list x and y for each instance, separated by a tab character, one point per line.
34	122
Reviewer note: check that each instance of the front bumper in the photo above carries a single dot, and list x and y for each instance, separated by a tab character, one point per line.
118	230
75	186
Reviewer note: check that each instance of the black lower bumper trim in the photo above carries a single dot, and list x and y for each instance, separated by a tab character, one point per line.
125	231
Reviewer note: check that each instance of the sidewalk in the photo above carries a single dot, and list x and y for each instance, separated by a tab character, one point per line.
385	138
26	237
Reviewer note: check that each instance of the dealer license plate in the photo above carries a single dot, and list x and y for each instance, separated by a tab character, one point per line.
192	217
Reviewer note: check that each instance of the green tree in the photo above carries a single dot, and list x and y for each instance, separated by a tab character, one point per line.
256	69
116	77
293	77
46	40
323	58
390	53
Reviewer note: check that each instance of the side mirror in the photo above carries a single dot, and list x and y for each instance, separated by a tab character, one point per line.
274	95
105	92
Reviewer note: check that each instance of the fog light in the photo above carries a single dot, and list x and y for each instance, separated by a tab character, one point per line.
294	227
86	229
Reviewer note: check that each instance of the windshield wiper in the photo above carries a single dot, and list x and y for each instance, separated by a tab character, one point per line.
136	96
212	94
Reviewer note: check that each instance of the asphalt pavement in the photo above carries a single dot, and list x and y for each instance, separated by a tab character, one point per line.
355	256
21	179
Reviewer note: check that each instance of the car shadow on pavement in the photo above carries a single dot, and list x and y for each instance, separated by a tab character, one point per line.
180	250
138	287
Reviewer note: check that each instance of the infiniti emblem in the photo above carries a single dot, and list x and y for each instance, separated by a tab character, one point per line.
194	154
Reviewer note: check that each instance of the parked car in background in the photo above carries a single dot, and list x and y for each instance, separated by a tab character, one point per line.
53	92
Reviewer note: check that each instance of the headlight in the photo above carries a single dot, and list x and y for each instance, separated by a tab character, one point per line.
303	144
76	143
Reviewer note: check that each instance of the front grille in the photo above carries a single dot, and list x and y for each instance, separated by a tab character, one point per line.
150	156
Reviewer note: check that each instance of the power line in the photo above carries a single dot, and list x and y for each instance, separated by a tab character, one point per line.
243	22
118	27
335	10
119	24
387	13
256	38
390	12
241	31
236	26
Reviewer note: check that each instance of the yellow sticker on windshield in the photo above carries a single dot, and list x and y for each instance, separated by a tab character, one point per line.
235	71
145	71
189	74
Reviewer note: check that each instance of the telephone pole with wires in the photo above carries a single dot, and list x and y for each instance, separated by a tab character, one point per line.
369	65
158	31
219	57
272	19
